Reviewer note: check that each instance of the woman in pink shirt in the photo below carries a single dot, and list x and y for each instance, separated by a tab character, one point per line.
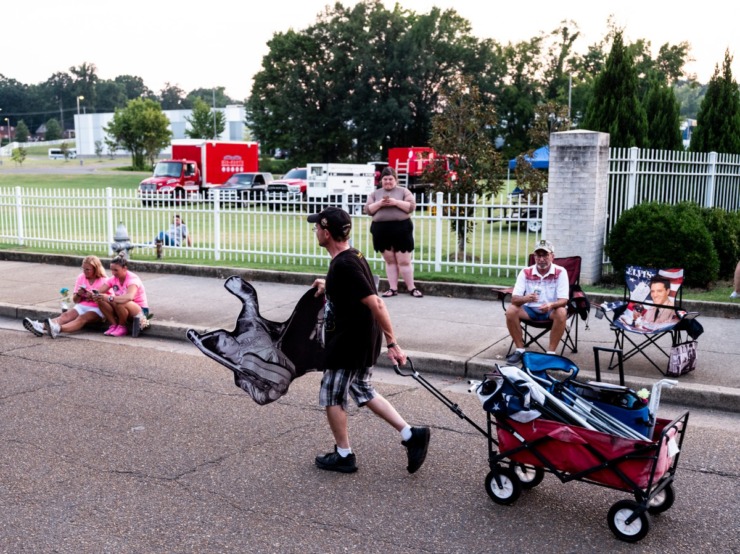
85	309
122	298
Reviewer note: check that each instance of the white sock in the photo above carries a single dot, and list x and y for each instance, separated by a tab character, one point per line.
406	433
344	452
520	350
551	352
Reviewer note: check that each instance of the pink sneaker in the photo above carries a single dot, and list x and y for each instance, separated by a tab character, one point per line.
110	330
119	331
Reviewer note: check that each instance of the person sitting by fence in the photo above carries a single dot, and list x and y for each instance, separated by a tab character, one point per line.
122	298
85	310
541	292
176	235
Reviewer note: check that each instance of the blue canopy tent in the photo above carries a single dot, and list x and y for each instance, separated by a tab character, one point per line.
540	159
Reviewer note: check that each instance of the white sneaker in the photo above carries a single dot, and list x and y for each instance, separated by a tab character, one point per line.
36	327
53	328
734	295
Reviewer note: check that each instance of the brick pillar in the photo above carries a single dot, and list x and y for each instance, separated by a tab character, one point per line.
577	198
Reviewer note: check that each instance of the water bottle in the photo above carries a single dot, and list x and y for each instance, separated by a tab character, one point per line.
64	304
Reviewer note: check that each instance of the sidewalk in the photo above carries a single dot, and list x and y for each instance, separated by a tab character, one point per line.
454	330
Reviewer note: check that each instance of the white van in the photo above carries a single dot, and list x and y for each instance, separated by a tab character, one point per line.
58	153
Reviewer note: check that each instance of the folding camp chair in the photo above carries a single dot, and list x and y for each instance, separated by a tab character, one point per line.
639	321
578	307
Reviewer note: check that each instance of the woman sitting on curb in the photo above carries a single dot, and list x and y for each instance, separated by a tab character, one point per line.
122	298
84	311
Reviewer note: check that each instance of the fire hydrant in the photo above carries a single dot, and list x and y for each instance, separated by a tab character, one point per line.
122	244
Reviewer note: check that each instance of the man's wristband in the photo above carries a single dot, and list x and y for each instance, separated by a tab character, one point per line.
391	345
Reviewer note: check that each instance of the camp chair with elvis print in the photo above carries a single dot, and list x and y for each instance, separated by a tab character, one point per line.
578	308
651	309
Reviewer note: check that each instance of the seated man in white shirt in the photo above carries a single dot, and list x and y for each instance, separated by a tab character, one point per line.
540	294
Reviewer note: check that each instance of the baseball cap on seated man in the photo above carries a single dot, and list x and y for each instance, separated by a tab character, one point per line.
545	245
335	220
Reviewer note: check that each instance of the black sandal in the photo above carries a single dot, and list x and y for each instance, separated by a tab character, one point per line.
389	293
416	293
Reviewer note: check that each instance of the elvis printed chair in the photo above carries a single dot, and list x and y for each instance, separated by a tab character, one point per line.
578	308
651	309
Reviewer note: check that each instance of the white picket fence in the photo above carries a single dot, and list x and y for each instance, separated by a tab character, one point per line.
496	233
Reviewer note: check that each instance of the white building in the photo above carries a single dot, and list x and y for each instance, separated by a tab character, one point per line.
89	128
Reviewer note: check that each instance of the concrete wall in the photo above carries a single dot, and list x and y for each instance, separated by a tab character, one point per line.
577	198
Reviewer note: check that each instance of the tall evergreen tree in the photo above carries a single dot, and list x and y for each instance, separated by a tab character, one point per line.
718	121
615	107
664	125
21	132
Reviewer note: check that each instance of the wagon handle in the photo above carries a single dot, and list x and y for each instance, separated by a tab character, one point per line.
411	372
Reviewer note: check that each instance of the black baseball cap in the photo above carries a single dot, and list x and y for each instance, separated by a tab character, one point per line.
335	220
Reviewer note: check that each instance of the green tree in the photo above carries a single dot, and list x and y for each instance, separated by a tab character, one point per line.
19	155
718	121
85	81
203	120
518	97
133	87
615	107
689	95
53	130
474	164
550	117
359	80
142	129
111	95
208	94
64	147
172	97
21	131
662	110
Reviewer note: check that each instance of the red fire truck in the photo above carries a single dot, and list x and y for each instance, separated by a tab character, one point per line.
197	165
410	162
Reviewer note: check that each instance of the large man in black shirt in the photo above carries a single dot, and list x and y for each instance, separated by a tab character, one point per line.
355	319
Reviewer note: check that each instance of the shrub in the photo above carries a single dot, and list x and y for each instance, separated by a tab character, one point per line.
724	227
663	236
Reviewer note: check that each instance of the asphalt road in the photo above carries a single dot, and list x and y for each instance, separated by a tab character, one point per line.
147	446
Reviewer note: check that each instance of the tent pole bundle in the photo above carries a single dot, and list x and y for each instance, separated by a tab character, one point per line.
581	412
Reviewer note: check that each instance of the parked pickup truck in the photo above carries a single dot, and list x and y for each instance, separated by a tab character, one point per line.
242	186
291	188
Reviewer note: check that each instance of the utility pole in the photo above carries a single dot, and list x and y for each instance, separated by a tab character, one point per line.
214	114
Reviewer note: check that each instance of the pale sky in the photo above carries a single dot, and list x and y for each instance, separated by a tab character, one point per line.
222	42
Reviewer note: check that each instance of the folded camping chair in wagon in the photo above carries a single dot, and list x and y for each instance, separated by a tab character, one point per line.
578	307
647	313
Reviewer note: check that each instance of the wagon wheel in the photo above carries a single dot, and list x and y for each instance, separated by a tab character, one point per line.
509	490
529	476
618	516
661	501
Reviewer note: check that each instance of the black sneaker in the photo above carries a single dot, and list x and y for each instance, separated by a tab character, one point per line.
515	358
332	461
416	447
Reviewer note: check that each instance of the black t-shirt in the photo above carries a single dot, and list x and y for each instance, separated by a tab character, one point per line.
353	337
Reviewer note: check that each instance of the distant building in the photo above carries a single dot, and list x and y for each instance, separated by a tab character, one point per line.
89	128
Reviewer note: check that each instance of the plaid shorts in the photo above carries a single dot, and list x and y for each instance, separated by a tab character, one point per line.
337	383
